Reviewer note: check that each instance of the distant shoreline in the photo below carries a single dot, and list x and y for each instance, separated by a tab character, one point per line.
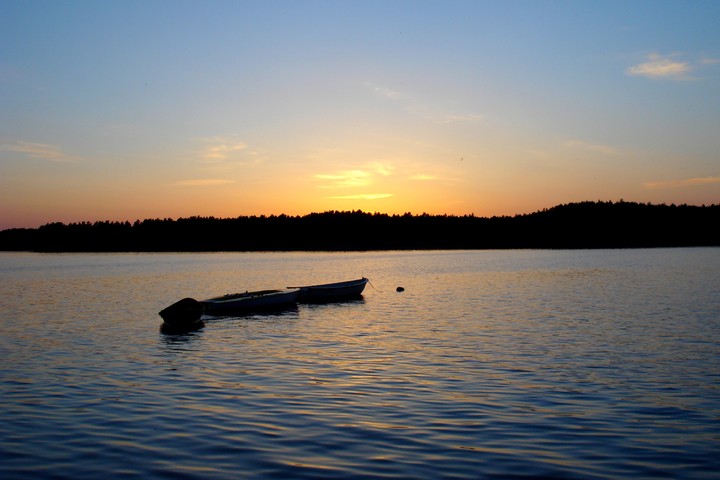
583	225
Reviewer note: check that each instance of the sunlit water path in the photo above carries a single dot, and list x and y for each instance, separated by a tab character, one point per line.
491	364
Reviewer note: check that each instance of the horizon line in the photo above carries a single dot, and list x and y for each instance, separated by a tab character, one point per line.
472	214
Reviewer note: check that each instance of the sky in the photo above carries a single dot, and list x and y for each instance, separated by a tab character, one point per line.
127	109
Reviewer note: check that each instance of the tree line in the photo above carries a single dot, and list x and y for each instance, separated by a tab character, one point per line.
568	226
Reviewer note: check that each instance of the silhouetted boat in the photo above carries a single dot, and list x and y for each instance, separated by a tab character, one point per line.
187	313
251	301
330	292
184	313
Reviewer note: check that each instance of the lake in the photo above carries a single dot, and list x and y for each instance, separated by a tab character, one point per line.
589	364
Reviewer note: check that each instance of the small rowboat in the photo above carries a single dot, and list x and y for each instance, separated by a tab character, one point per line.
330	292
251	301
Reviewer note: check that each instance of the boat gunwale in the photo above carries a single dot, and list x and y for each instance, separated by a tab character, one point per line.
242	296
335	285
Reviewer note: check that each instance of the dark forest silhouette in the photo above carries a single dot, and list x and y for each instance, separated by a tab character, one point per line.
574	225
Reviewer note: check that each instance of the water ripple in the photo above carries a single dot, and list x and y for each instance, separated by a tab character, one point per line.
589	365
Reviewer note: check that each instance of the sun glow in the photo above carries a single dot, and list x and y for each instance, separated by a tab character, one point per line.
297	110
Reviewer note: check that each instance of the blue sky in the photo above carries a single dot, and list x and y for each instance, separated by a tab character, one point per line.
127	110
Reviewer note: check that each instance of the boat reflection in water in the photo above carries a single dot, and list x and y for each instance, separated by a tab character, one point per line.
169	329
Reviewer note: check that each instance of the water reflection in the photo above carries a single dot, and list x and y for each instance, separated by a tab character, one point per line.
288	311
335	301
489	364
180	333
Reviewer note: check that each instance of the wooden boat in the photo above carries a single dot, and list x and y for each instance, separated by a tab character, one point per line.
251	301
330	292
184	313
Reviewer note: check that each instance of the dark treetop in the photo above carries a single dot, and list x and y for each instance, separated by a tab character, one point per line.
575	225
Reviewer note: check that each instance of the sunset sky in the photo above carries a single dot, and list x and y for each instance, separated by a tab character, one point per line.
125	110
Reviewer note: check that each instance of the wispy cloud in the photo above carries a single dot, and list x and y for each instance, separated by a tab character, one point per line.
360	177
682	183
42	151
202	182
659	66
430	177
390	93
383	169
593	147
423	109
363	196
349	178
674	66
461	118
221	148
404	99
423	177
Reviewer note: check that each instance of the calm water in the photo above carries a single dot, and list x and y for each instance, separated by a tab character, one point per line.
491	364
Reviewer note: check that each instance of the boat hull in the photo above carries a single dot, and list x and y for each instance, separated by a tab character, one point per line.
184	313
331	292
251	301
